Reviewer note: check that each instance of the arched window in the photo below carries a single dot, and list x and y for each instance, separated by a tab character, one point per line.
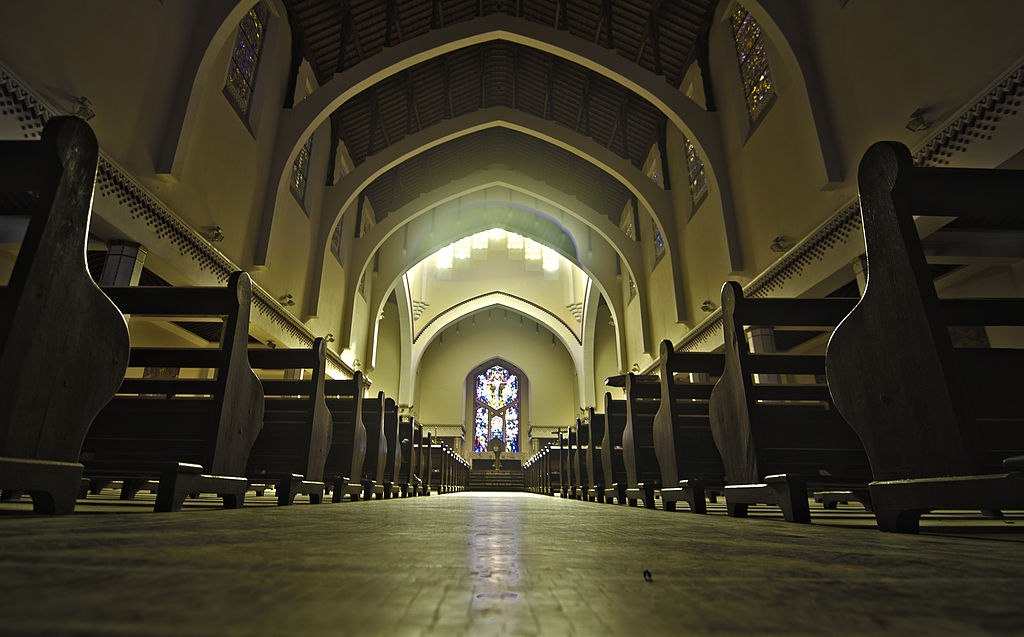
245	59
757	79
300	171
695	170
496	408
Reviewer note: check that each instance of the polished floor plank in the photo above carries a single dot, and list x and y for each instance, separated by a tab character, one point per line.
495	564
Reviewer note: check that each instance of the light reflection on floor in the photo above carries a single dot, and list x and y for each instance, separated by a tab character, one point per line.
493	558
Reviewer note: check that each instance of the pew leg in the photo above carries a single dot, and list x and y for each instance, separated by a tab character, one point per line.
670	505
287	488
830	504
898	520
233	500
170	496
649	497
368	490
97	486
792	495
712	498
632	501
695	497
131	487
316	498
736	509
992	514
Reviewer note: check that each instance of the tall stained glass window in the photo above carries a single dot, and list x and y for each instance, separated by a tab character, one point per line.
496	409
245	58
695	169
757	79
336	241
300	169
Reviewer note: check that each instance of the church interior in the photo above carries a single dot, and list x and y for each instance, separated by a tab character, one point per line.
689	316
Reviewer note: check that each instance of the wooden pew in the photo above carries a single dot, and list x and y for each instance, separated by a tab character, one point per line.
613	467
416	460
393	460
438	466
942	426
427	463
560	465
776	440
643	477
63	344
592	456
580	462
292	447
344	465
572	478
374	411
683	441
194	435
404	470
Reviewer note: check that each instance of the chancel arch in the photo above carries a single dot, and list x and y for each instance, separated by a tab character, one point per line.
433	222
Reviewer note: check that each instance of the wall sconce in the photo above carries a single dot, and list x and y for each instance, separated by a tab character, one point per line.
83	109
707	306
917	121
329	338
780	244
214	233
287	300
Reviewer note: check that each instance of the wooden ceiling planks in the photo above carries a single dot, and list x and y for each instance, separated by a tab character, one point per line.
658	35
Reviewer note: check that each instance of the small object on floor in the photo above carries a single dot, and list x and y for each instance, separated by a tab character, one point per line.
647	576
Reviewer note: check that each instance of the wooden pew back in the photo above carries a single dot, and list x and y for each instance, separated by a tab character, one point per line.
768	429
345	460
212	423
921	407
683	440
297	427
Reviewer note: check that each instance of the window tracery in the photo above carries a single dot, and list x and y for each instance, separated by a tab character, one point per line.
758	87
496	409
245	59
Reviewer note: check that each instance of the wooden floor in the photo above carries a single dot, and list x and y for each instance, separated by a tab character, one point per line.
499	564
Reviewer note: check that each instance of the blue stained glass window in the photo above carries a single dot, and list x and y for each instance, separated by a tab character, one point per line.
758	87
659	242
497	409
245	58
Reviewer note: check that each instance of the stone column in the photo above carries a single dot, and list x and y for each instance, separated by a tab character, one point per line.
762	341
123	265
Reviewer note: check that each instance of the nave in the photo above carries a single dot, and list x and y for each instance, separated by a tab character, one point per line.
479	563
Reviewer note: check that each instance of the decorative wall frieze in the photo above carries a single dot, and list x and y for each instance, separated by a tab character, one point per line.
18	104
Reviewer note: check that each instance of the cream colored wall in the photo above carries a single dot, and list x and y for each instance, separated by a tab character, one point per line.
604	357
442	374
385	372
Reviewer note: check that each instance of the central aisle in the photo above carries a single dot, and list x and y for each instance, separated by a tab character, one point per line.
492	564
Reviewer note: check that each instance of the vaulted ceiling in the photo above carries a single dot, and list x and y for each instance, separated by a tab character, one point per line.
661	36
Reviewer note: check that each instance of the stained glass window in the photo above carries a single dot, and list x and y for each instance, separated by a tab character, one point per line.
659	242
245	58
336	241
300	169
757	79
496	409
695	168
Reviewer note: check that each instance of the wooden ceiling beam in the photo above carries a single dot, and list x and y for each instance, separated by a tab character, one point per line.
412	111
436	15
448	108
549	93
344	36
584	108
